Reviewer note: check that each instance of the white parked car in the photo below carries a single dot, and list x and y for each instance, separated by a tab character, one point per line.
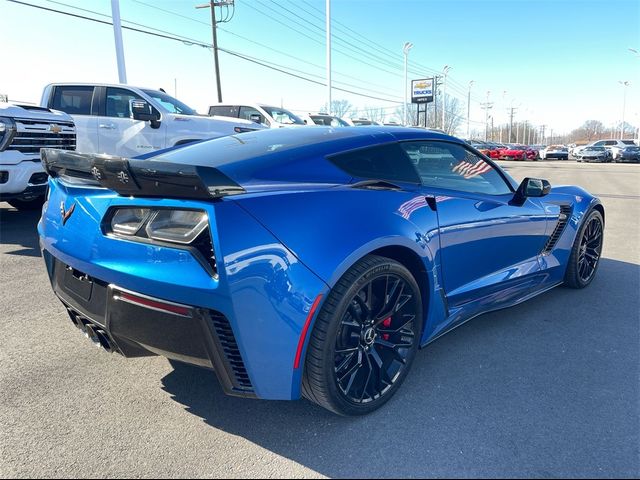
24	130
327	120
615	146
265	115
130	121
554	151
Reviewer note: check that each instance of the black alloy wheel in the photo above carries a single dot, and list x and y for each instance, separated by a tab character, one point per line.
375	338
365	338
586	252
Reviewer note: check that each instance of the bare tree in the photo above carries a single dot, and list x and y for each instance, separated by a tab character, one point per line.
591	129
374	113
339	108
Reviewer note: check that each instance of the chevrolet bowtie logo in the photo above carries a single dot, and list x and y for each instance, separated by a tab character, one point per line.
53	128
65	214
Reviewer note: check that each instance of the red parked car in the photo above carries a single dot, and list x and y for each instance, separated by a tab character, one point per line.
513	152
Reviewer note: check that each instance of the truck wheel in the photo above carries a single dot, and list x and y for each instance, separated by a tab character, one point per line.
33	204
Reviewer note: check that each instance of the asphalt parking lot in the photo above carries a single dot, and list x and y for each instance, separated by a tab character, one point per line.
549	388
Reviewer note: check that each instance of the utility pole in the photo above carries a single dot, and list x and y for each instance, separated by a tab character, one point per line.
328	41
486	107
212	5
512	111
436	83
542	138
550	136
469	110
492	128
445	71
117	34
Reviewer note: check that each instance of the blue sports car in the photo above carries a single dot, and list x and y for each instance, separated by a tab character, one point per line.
305	262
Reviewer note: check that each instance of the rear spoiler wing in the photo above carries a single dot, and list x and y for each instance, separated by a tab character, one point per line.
139	178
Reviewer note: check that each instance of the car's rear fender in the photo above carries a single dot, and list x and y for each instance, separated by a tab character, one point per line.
330	230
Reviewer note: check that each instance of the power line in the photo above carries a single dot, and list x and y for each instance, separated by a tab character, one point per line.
208	46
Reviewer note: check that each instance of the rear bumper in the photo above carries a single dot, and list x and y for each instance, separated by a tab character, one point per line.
139	325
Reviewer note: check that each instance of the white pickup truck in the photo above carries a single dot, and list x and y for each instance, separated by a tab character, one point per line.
130	121
24	130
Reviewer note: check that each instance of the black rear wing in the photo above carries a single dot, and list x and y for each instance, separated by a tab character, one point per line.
139	178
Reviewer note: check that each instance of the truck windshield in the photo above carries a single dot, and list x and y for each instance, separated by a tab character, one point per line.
281	115
171	104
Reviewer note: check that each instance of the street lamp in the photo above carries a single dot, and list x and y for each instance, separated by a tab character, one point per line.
445	71
405	50
504	94
469	110
625	84
634	51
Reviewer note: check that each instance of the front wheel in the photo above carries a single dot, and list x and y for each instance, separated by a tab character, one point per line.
365	338
586	252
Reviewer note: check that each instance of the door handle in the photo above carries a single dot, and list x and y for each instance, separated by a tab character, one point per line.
107	126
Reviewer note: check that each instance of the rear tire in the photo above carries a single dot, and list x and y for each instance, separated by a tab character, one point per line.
33	204
365	338
586	252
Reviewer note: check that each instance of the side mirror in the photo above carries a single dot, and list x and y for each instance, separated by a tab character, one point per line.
255	117
531	187
141	110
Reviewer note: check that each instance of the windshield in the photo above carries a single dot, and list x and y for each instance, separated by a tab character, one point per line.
281	115
171	104
628	142
328	121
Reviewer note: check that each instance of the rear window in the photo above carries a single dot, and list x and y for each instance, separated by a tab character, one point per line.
224	111
628	142
74	100
382	162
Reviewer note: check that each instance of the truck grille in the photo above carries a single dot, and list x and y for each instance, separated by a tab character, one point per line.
32	135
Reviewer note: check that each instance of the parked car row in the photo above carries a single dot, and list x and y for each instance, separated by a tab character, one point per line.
614	147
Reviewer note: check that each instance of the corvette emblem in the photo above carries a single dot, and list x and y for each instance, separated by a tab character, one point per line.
53	128
123	177
65	214
96	173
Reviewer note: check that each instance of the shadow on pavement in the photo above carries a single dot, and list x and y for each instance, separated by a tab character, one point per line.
19	229
548	389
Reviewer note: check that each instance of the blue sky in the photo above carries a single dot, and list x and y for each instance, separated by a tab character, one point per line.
558	61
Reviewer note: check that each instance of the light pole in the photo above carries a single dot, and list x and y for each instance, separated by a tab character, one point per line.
469	110
625	84
634	51
405	50
445	71
504	93
328	29
117	34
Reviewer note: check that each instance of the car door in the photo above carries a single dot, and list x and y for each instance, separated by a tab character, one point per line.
119	134
489	246
79	102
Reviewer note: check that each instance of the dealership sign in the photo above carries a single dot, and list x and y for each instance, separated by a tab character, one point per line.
422	90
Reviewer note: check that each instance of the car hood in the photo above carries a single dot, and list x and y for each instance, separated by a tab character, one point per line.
32	112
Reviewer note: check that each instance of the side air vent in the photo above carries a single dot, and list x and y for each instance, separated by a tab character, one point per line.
565	214
241	381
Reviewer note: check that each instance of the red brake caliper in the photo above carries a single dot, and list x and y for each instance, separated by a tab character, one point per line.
386	323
